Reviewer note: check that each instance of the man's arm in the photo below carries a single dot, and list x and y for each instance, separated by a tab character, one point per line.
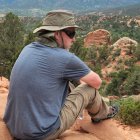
92	79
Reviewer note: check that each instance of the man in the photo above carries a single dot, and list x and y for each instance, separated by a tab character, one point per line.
39	106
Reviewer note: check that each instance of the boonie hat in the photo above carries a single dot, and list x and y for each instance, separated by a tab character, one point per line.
57	20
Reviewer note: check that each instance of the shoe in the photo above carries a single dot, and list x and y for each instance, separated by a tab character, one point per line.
114	111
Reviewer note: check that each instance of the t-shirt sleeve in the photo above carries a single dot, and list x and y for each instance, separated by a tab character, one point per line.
75	69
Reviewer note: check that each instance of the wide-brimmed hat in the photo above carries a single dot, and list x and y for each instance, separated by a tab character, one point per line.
57	20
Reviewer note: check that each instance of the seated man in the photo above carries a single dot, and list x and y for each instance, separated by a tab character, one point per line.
39	106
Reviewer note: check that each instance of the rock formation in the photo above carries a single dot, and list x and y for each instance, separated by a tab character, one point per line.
121	54
4	84
125	42
98	37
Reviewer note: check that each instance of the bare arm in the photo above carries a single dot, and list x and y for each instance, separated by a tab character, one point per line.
92	79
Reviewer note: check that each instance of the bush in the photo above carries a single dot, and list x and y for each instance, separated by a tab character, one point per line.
129	111
137	53
114	87
132	83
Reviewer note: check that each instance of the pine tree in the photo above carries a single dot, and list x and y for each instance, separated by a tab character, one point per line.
11	42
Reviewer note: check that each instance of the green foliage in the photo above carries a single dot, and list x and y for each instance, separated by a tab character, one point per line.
129	112
29	38
30	23
115	86
102	88
11	41
95	67
112	88
124	82
91	54
116	53
130	62
78	48
137	52
103	52
131	50
132	83
98	55
87	23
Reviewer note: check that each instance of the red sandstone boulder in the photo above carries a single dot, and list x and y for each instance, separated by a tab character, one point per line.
125	42
98	37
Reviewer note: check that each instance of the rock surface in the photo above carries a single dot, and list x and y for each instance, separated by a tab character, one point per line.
4	84
124	42
83	129
120	56
98	37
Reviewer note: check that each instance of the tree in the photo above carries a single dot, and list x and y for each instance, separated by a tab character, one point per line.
137	52
115	86
29	38
11	41
132	84
78	48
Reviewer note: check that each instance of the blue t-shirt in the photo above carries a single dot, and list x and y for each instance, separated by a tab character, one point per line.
38	89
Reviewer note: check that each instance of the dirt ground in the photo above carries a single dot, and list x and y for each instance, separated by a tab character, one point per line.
83	129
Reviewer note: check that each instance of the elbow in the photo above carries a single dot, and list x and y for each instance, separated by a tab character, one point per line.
98	84
92	79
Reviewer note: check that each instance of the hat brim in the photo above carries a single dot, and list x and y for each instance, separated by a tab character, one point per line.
53	28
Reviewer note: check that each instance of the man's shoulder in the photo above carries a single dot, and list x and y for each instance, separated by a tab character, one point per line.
63	53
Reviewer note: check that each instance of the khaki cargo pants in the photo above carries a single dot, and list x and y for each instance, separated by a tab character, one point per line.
81	97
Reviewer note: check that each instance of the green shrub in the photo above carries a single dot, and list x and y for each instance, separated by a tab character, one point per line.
130	62
114	87
116	53
137	53
129	111
132	83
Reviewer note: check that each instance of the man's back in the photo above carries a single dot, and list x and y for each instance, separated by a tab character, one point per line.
35	80
38	83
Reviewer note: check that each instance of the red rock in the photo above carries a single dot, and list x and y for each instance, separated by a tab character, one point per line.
83	129
124	42
105	130
98	37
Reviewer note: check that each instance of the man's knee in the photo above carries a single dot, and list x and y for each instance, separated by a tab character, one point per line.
85	88
87	92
